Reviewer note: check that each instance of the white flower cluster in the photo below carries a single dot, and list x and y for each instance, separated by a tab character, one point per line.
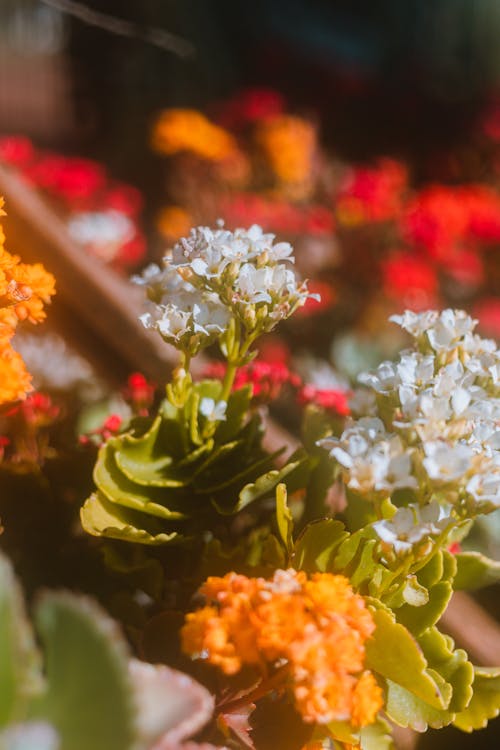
436	432
215	275
411	525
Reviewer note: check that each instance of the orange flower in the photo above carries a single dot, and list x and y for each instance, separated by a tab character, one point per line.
289	143
24	289
174	222
179	130
15	381
313	630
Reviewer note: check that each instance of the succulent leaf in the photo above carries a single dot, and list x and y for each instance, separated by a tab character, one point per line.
88	697
475	570
485	702
20	673
402	661
178	474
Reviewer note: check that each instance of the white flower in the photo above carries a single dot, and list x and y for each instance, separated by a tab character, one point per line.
447	463
104	232
215	275
410	525
212	410
210	316
485	488
171	322
372	459
401	532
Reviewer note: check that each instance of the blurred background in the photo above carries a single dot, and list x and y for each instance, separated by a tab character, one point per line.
366	132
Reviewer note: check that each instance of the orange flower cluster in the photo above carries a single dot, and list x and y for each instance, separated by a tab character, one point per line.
24	289
290	145
188	130
314	627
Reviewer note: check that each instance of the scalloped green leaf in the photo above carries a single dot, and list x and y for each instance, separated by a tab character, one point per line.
408	710
145	460
100	517
418	618
88	697
485	702
452	664
284	518
142	450
122	491
316	547
377	736
475	570
20	671
395	654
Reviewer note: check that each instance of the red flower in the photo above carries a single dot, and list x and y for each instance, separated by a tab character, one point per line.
123	198
139	393
335	401
111	426
72	179
37	410
410	280
371	193
16	150
266	378
436	220
251	105
482	205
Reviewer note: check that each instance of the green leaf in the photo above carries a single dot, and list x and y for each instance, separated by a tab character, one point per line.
284	518
99	517
395	654
485	702
20	674
408	710
348	550
418	618
316	547
135	455
262	486
342	731
359	512
88	698
365	565
475	571
122	491
236	413
452	665
377	736
432	572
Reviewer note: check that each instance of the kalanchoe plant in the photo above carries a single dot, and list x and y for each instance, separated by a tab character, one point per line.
200	459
